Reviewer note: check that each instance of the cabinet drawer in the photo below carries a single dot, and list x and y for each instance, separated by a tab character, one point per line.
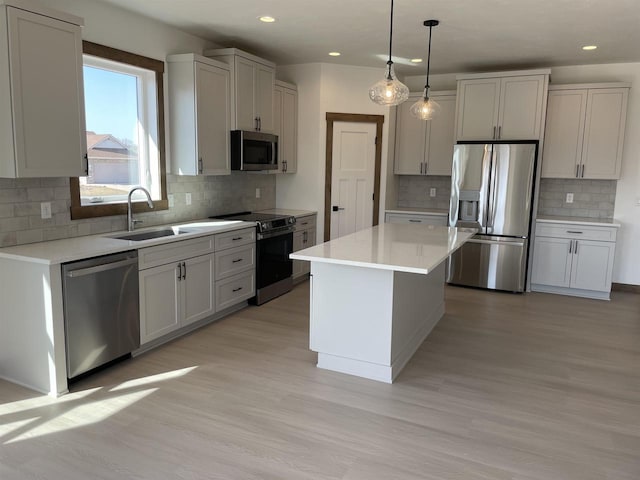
235	260
580	232
303	223
175	251
424	219
235	238
236	289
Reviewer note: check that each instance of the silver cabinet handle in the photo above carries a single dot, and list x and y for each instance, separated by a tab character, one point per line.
236	289
200	165
582	174
426	168
236	260
235	239
494	131
570	247
413	220
101	268
575	231
577	170
575	249
499	132
179	268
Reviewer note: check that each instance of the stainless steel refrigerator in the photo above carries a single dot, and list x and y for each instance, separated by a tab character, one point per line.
492	191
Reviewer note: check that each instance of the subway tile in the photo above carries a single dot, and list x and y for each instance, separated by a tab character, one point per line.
8	239
13	195
40	194
29	236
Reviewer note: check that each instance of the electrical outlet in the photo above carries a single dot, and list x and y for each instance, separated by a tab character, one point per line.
257	193
172	200
45	210
569	198
432	192
187	198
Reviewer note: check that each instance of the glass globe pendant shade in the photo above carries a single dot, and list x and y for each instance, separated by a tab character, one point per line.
425	109
389	91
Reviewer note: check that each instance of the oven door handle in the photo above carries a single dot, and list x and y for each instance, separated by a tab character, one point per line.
277	233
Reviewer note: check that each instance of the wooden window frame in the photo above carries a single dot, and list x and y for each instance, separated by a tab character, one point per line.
79	211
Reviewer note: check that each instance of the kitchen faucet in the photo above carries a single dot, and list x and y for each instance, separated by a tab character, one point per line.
131	223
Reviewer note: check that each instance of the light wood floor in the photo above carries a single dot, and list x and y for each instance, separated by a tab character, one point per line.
506	387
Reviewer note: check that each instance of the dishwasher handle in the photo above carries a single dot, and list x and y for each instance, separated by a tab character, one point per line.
101	268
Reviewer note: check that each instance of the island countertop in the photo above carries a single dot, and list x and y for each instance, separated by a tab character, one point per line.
391	246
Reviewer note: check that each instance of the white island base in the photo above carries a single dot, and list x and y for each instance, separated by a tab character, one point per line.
369	321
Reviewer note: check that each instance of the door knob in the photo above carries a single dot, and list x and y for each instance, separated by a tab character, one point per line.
335	208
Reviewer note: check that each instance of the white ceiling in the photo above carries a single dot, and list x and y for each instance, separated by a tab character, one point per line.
474	35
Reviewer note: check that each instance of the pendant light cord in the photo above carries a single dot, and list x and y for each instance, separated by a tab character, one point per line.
426	87
390	62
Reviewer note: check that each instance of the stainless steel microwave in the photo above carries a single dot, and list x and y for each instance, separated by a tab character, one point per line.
252	151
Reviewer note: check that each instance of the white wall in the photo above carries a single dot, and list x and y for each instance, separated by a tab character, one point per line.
325	88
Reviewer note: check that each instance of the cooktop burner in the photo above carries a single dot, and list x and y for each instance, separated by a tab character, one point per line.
264	221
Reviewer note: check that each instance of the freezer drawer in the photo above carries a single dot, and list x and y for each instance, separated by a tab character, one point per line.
490	262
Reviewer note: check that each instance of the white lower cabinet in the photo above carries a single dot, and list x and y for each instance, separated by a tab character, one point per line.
304	236
576	260
187	281
423	218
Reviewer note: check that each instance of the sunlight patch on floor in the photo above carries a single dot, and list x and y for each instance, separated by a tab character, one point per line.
160	377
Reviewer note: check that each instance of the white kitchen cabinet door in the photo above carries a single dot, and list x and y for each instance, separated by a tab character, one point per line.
309	240
604	133
288	142
411	135
477	108
552	262
198	289
245	94
277	125
298	244
264	84
160	301
564	133
521	105
441	137
42	96
213	110
592	265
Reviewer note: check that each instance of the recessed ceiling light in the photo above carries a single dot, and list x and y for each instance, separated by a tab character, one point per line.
416	60
334	54
267	19
589	47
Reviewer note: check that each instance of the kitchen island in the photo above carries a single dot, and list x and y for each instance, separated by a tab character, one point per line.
376	294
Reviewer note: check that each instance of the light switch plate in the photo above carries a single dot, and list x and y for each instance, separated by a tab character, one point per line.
187	198
172	201
45	210
257	193
569	198
432	192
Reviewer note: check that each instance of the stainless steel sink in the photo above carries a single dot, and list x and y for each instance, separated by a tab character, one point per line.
148	235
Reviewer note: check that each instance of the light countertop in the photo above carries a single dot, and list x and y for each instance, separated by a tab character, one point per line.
419	211
286	211
78	248
391	246
599	222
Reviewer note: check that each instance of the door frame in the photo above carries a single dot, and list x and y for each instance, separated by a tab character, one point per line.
357	118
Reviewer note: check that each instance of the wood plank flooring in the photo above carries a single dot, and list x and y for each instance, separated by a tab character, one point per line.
516	387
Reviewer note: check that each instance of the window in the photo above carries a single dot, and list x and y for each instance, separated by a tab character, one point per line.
125	133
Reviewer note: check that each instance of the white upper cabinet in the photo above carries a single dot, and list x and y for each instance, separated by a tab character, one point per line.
285	114
253	85
200	115
584	132
501	106
42	124
425	148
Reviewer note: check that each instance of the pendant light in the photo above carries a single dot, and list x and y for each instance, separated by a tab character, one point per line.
425	108
389	91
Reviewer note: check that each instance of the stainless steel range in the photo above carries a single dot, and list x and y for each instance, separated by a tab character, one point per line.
274	244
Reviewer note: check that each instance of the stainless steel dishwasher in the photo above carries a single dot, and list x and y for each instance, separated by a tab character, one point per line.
101	310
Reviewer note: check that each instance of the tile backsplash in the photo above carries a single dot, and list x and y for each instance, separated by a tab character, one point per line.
591	198
20	199
413	191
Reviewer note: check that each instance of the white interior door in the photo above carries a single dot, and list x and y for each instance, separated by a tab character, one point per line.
352	177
